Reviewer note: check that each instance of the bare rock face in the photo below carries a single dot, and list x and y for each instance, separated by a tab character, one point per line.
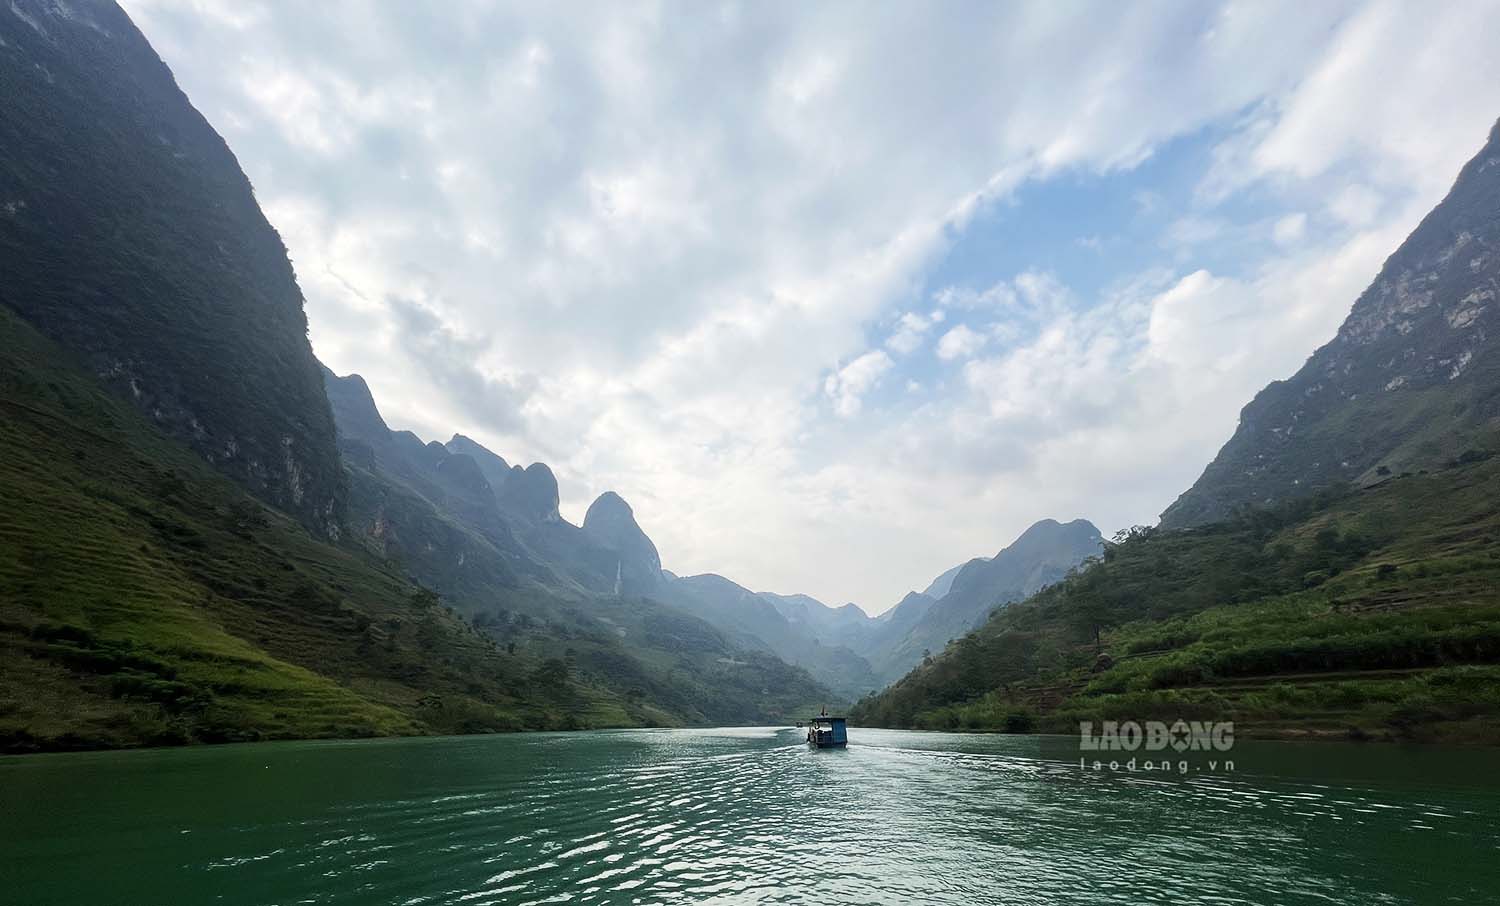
130	236
496	470
1411	380
531	493
611	524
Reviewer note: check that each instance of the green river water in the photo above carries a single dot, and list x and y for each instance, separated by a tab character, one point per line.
744	816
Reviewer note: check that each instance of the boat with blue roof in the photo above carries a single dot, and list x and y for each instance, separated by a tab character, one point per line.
825	732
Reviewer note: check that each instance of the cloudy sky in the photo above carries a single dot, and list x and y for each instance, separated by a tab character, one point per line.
837	296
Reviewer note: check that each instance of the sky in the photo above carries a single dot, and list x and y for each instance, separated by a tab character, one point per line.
837	296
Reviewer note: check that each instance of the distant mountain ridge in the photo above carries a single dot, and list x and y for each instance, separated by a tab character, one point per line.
856	652
1411	380
924	622
488	537
515	510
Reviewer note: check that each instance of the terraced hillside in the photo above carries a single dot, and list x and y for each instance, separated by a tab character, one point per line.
146	599
1373	612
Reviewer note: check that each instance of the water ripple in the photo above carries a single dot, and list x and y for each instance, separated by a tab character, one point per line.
753	816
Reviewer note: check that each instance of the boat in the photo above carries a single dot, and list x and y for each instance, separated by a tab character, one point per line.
824	732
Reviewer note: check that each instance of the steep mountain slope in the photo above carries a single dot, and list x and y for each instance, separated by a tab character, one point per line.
941	585
1352	613
131	237
1370	612
146	599
922	624
535	583
1409	381
610	523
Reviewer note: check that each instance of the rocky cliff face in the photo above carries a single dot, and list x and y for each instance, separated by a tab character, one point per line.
1411	380
611	524
531	493
130	236
496	470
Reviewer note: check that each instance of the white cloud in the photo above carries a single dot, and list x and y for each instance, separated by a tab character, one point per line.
1194	229
1355	206
959	343
631	239
849	384
909	331
1000	295
1290	229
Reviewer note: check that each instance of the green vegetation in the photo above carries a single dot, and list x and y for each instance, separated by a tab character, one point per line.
1369	613
145	599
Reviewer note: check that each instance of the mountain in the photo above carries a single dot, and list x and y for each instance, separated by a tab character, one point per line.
533	582
493	466
132	239
531	493
146	599
191	549
853	653
1370	613
756	622
1334	572
1410	381
845	625
923	623
611	524
437	510
942	583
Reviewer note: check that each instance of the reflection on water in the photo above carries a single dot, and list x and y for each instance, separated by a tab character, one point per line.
743	815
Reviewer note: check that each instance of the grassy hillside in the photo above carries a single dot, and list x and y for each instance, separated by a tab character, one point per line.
1363	613
145	599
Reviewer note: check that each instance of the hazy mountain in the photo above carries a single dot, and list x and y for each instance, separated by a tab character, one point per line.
844	625
493	466
529	577
611	523
130	237
942	583
922	623
757	621
531	493
1410	381
852	652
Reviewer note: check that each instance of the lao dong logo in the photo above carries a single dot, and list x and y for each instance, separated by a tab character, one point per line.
1154	736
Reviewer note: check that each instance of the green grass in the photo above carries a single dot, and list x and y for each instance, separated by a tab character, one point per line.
145	599
1370	613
